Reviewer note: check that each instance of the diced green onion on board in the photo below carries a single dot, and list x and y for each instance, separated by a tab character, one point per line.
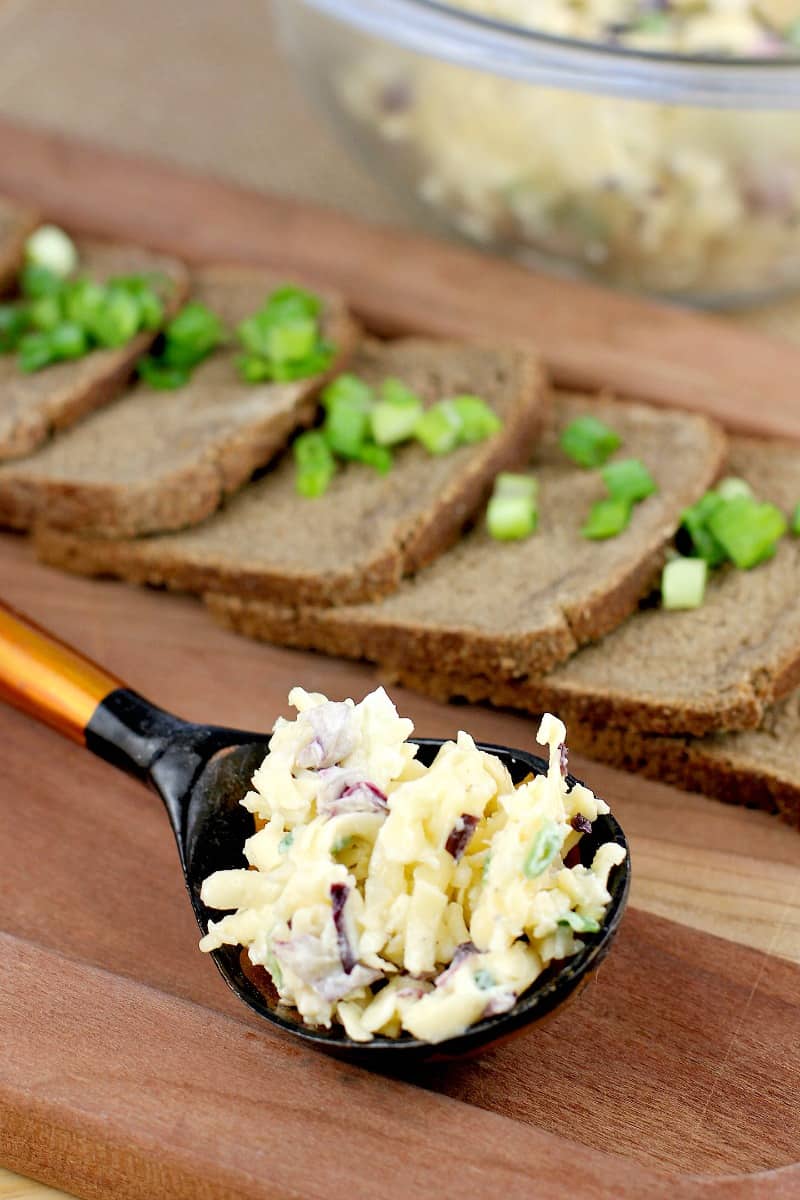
748	531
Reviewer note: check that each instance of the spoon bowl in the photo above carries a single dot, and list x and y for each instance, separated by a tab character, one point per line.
201	773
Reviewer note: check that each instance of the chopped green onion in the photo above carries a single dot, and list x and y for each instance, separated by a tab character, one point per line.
51	248
292	341
579	923
795	525
68	340
484	980
628	479
543	849
81	299
347	402
695	520
151	307
589	442
478	420
342	843
606	519
191	335
394	391
733	487
683	583
35	281
393	423
748	531
117	320
379	457
45	313
14	324
285	842
316	465
347	388
509	483
158	375
439	428
511	518
282	340
34	352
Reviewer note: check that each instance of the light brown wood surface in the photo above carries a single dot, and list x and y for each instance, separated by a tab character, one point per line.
683	1057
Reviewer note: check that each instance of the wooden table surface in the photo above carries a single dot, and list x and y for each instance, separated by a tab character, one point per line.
194	83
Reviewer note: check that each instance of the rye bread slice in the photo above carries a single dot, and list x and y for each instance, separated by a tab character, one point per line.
758	768
15	225
515	609
33	406
165	459
715	668
368	530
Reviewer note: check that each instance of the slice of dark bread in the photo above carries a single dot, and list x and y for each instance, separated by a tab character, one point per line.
514	609
368	530
33	406
714	668
165	459
759	768
15	225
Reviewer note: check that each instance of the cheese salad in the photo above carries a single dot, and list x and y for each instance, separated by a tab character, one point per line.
389	896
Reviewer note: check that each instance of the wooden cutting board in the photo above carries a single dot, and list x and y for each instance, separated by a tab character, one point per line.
126	1067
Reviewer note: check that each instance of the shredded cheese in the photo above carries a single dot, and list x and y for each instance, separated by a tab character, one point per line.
392	897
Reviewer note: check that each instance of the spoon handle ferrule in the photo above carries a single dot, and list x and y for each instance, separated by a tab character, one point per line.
47	679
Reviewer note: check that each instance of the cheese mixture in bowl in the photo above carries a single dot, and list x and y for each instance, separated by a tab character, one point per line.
649	144
391	897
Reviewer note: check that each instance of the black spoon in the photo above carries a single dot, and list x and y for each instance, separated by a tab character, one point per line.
201	773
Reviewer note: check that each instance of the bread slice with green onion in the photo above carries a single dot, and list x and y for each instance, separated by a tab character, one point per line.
16	223
513	609
712	668
34	406
159	460
368	529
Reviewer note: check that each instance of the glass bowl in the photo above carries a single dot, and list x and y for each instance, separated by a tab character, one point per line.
659	173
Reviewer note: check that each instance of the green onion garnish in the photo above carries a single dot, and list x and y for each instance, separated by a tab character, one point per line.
14	324
579	923
628	479
478	420
683	583
191	336
45	312
694	522
158	375
589	442
36	281
510	483
69	340
732	487
379	457
316	465
282	341
543	849
439	428
484	980
394	417
34	351
511	513
285	842
49	247
347	402
606	519
117	320
747	531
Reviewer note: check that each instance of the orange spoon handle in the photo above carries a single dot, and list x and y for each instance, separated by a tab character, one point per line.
48	679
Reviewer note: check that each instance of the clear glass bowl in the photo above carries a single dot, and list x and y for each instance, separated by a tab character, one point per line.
670	175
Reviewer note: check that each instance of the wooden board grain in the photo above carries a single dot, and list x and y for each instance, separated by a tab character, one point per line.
402	282
129	1069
